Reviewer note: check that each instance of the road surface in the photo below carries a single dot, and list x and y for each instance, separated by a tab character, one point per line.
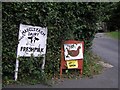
106	48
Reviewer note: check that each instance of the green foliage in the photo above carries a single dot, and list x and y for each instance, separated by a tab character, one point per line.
105	10
110	13
64	21
114	20
114	34
0	45
29	70
91	65
108	20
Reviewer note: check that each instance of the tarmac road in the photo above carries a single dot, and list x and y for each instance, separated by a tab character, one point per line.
106	48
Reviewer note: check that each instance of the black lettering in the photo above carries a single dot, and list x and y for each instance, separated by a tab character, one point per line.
37	29
26	30
41	49
30	49
33	29
35	49
36	34
23	32
24	48
30	29
43	34
29	34
21	48
38	49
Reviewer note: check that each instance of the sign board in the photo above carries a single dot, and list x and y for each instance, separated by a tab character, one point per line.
72	64
32	40
73	51
72	55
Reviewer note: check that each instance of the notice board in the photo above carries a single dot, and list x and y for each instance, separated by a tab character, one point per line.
72	55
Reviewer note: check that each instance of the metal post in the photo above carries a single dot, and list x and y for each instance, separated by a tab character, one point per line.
43	64
16	69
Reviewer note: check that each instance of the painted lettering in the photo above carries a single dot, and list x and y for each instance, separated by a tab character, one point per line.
30	49
33	34
33	29
41	49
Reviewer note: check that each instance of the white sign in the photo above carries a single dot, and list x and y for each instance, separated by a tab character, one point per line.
73	51
32	40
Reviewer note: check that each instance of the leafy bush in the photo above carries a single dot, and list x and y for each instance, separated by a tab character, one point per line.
114	20
64	21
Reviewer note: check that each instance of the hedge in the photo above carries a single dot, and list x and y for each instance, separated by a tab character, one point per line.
71	20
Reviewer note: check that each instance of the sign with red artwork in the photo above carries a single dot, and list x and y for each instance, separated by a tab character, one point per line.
72	55
73	51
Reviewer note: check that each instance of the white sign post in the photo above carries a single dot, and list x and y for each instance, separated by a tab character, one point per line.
32	41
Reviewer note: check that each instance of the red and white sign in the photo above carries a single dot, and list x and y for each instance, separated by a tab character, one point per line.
72	55
73	51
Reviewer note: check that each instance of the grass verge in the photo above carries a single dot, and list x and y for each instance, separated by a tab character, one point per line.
114	34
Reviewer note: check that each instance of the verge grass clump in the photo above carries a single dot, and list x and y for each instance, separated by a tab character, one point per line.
114	34
91	64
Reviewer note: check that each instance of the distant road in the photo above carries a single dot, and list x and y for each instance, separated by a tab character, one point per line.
106	47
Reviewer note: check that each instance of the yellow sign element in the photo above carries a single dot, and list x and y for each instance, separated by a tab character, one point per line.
72	64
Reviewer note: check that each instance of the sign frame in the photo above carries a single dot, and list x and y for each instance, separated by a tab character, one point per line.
36	48
63	61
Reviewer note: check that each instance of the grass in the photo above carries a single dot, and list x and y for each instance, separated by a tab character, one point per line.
91	65
114	34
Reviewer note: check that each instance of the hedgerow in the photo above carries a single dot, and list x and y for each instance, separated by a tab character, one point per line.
71	20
